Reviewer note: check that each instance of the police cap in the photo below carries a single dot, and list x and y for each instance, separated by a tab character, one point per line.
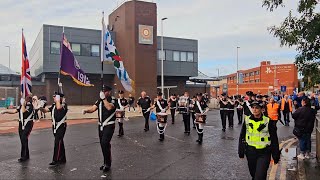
58	93
256	104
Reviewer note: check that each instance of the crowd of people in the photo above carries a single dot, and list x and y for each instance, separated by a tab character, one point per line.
258	114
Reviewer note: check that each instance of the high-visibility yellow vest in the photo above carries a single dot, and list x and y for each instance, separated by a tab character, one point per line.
254	138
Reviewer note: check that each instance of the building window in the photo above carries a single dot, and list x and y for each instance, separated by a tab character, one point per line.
257	80
183	56
76	49
55	48
95	50
168	55
85	49
190	57
176	56
160	56
257	72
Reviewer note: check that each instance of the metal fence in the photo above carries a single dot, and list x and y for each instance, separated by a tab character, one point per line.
9	97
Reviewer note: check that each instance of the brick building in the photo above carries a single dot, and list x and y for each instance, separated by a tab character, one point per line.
264	79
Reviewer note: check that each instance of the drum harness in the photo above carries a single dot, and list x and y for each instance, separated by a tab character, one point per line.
58	124
105	122
198	104
158	124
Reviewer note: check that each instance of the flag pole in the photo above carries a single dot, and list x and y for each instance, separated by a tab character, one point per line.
102	49
22	69
59	73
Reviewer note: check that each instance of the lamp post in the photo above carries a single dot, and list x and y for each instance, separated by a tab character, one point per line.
162	56
238	70
9	55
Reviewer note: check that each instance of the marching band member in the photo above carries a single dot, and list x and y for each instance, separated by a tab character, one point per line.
106	113
121	104
173	102
25	111
223	110
144	102
58	111
239	105
193	114
161	106
186	113
230	111
247	102
201	110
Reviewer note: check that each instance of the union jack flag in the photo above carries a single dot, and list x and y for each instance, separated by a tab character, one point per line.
26	84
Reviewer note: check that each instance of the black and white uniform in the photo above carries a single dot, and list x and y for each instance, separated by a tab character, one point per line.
186	116
173	106
144	103
230	112
106	126
161	106
193	113
200	108
223	112
25	128
247	108
120	105
59	127
239	106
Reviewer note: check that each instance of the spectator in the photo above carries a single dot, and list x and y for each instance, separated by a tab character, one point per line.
304	119
43	104
131	103
314	102
36	106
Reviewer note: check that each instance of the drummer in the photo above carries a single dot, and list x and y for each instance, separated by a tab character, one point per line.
201	110
121	104
161	106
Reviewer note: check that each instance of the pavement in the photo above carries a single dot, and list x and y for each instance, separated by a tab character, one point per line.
137	155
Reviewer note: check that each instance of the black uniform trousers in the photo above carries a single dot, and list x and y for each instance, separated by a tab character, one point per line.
258	162
59	154
286	117
223	115
200	133
173	113
193	116
230	117
105	137
186	120
240	115
121	131
24	139
146	116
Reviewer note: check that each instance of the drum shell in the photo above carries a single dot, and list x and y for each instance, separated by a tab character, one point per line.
201	118
162	118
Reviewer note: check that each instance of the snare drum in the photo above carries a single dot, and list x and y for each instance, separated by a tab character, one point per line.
201	118
162	117
120	113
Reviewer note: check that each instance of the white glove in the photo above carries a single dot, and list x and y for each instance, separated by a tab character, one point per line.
22	101
102	96
57	98
122	108
41	103
163	110
2	112
84	111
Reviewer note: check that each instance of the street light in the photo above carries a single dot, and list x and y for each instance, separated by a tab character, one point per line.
238	70
9	55
162	56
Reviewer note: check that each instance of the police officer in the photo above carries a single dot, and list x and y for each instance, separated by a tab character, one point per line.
144	102
223	110
258	141
121	104
58	111
106	111
200	108
173	102
161	105
25	111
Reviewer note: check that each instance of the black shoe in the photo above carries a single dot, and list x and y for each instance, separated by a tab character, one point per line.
53	163
22	159
161	139
194	127
62	162
145	130
224	130
188	133
102	167
172	122
119	135
199	141
106	168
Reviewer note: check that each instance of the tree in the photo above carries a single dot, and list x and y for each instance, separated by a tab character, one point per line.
301	31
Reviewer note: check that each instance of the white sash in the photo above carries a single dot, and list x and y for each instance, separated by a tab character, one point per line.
160	107
25	121
120	105
248	105
106	122
199	107
56	127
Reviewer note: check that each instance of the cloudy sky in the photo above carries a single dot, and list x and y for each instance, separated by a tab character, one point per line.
218	25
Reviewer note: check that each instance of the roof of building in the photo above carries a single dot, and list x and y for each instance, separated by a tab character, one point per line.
4	70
